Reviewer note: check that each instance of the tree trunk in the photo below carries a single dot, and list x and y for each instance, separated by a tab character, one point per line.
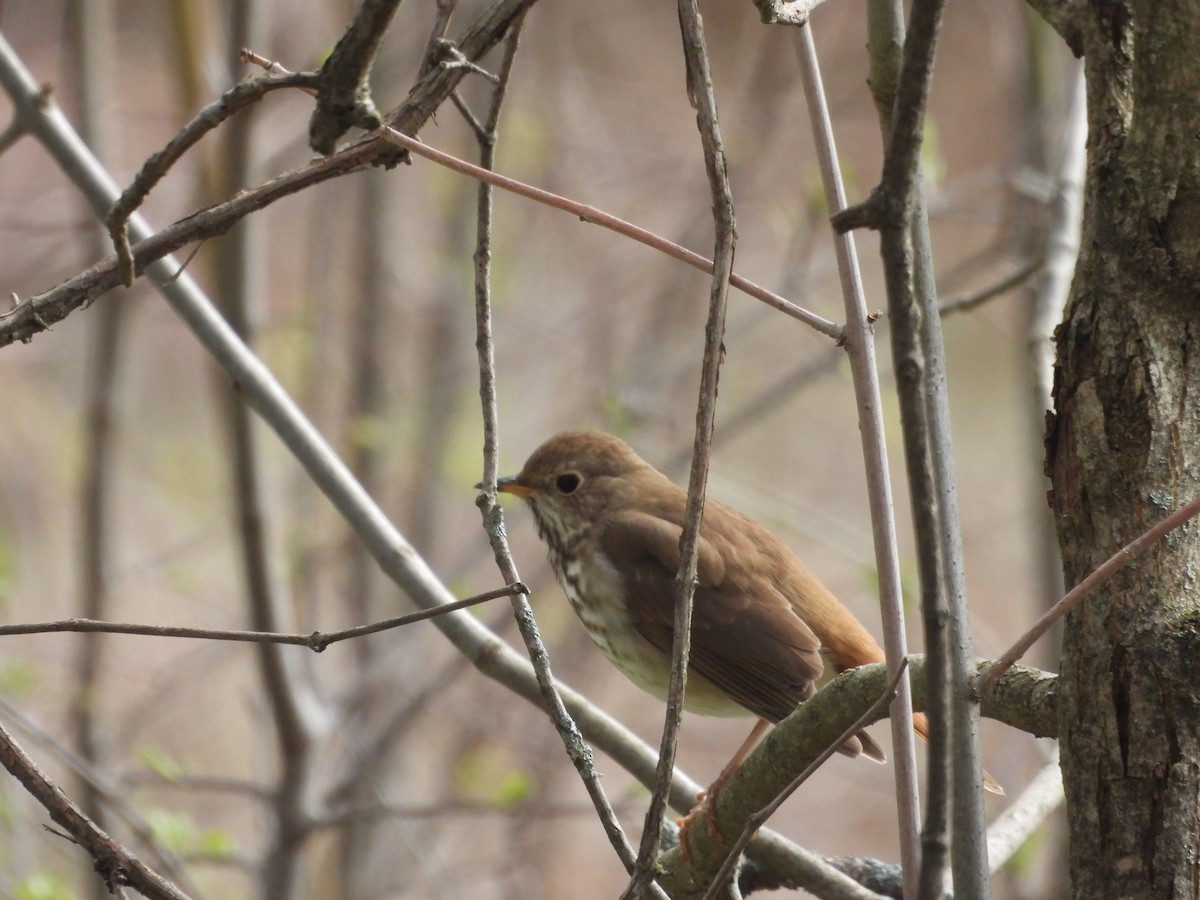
1123	450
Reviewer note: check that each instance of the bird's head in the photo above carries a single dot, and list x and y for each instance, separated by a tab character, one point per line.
577	477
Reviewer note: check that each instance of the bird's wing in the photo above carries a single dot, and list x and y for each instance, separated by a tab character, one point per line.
748	641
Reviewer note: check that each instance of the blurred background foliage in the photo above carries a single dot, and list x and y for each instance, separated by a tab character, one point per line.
363	307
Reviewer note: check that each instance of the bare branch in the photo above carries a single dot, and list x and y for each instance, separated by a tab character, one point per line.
44	121
1027	813
860	347
1081	591
156	167
802	736
578	751
36	314
344	90
970	301
893	200
115	864
596	216
317	641
108	796
437	34
896	207
700	92
756	821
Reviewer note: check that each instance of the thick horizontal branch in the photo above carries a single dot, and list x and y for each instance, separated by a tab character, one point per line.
756	820
1023	698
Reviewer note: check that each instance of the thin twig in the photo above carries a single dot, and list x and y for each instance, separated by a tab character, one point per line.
1081	591
578	750
156	167
45	122
756	821
595	216
316	641
700	85
860	347
437	33
970	301
113	798
94	40
56	304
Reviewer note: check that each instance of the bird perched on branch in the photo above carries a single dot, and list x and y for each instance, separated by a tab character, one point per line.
763	626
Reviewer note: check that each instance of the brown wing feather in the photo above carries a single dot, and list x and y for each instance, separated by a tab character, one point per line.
753	647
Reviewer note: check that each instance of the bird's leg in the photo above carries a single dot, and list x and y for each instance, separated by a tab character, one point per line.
706	800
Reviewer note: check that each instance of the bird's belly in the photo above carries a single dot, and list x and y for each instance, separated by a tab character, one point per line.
608	624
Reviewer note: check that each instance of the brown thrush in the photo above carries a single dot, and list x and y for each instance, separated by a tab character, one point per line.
763	626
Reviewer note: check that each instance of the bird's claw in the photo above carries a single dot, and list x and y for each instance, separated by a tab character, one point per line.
706	806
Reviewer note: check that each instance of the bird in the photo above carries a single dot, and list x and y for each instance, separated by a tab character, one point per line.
764	628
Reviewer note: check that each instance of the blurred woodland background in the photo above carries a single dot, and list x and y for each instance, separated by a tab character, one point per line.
117	499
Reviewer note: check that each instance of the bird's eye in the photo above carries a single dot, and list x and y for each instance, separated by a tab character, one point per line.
567	483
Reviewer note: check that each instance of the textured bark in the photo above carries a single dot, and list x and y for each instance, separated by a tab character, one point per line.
1124	450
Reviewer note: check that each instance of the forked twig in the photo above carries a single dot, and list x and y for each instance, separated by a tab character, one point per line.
595	216
156	167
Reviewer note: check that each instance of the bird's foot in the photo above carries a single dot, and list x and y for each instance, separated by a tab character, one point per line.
706	807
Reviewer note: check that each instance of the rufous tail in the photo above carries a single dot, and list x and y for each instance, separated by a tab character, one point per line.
921	727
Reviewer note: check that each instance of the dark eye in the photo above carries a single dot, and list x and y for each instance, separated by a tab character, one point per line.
567	483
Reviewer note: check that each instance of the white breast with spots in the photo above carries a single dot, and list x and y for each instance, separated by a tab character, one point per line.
609	626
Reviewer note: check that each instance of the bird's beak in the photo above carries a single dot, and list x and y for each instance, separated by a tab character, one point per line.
510	485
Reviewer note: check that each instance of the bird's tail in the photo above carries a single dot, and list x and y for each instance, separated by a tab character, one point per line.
921	727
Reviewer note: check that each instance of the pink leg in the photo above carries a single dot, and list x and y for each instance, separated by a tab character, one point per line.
706	804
